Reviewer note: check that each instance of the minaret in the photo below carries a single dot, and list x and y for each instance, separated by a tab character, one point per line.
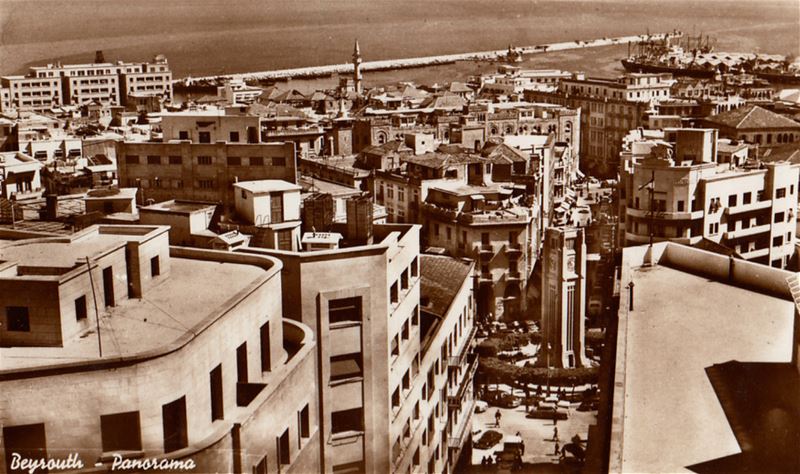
357	68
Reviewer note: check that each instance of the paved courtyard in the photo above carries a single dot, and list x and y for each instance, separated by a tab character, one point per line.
536	434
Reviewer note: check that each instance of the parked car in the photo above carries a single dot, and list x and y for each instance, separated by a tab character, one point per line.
588	405
543	413
481	406
502	400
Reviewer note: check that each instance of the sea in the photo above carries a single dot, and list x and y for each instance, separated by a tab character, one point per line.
213	37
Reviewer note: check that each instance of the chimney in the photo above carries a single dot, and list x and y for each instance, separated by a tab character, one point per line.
359	219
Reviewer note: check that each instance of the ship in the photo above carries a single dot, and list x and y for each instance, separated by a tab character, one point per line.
697	59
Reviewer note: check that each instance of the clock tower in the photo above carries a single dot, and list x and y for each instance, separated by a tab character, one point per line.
563	298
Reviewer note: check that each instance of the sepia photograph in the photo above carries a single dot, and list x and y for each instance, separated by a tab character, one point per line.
411	237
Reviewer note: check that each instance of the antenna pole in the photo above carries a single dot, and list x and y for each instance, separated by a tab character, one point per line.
96	311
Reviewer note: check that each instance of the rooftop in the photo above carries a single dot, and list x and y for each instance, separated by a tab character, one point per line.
165	313
178	206
664	396
752	117
267	186
440	279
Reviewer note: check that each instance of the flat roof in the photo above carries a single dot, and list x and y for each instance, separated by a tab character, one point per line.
267	185
63	252
165	313
178	206
682	324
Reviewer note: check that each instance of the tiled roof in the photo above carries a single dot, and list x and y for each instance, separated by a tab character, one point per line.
789	152
499	152
440	279
752	117
440	160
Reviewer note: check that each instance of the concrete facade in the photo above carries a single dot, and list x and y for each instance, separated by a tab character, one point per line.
229	390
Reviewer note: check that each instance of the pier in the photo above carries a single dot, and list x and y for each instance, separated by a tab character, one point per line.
391	64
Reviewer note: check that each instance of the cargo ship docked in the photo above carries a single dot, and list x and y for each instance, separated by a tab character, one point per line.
698	59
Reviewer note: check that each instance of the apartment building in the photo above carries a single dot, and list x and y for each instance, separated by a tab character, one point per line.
394	377
202	154
674	187
609	109
497	229
480	122
55	85
511	80
115	345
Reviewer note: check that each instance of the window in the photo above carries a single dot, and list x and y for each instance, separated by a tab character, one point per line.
680	206
436	230
80	308
347	420
780	193
121	432
747	198
284	454
449	233
183	135
155	266
395	348
17	319
278	161
241	363
256	161
713	228
344	310
261	467
153	160
173	417
414	268
175	160
779	217
346	366
788	237
732	200
394	293
215	382
204	137
131	159
234	136
205	183
266	363
234	161
204	160
304	423
396	398
777	241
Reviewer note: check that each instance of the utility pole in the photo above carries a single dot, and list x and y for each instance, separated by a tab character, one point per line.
652	207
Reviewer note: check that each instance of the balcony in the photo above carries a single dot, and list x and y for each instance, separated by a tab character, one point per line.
663	215
485	278
755	253
513	250
753	206
457	360
457	441
738	234
456	400
513	275
486	251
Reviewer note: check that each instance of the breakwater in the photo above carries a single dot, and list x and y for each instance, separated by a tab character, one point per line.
391	64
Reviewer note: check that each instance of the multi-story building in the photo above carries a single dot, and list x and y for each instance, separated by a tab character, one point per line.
480	122
202	154
754	124
511	80
394	386
674	188
54	85
487	223
609	109
117	348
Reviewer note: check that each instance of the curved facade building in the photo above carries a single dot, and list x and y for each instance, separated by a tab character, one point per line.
115	346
